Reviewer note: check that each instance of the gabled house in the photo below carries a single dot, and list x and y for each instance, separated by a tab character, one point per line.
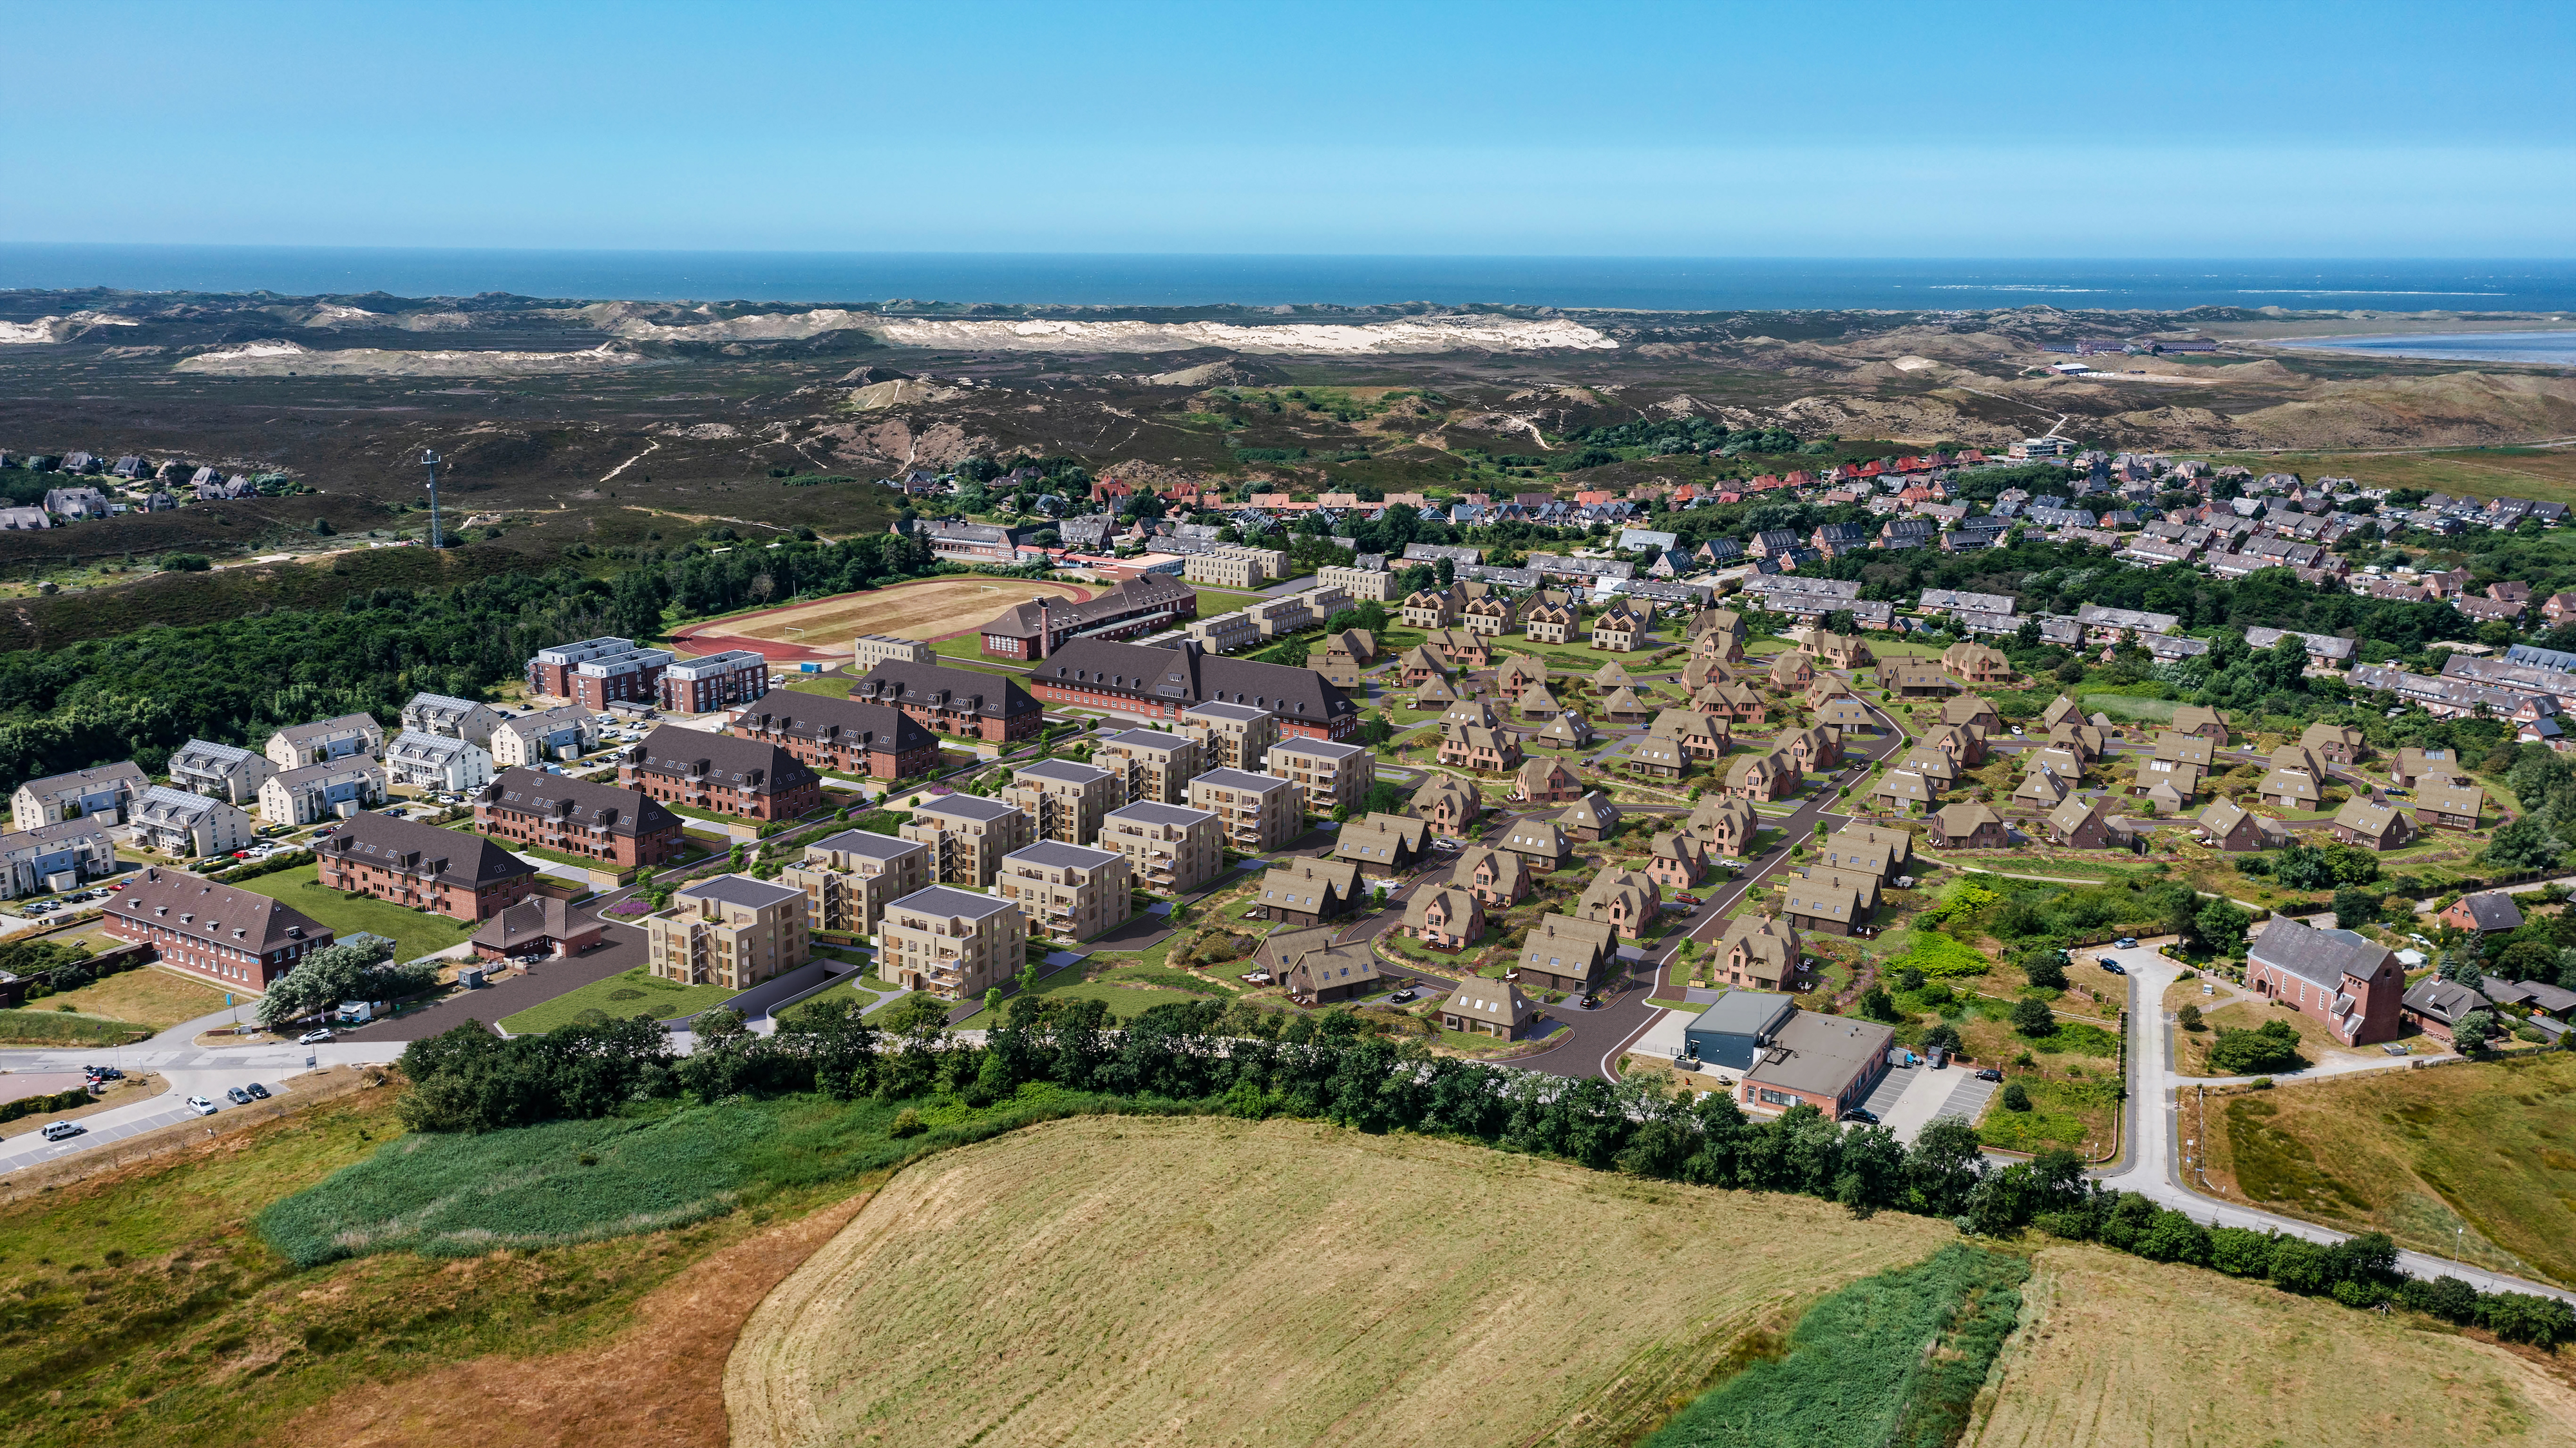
2435	1006
1544	779
1317	972
1566	731
2229	826
1492	615
1656	756
1488	1007
1727	823
1623	899
1543	843
1813	751
1498	878
1383	844
1565	953
1306	892
1976	665
1592	819
1677	860
1552	623
1619	629
2334	743
1448	805
2450	806
1700	735
1967	826
2188	718
1470	747
1624	707
1446	919
2080	824
2485	913
1759	953
1538	704
2373	826
1516	677
1768	776
1795	669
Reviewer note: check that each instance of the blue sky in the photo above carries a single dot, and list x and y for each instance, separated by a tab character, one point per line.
2089	129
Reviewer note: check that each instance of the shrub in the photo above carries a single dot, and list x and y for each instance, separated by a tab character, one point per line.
2272	1047
2031	1017
2016	1096
2189	1017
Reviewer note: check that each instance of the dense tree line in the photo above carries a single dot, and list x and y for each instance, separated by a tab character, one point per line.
1244	1062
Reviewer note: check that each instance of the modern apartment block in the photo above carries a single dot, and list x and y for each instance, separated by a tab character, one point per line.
1151	765
437	762
1232	736
184	825
1258	811
319	792
731	931
550	671
967	836
1236	568
420	865
325	740
1064	800
851	877
1171	848
1372	585
449	717
619	828
1070	892
869	650
718	681
54	857
1223	633
632	677
1325	773
220	771
106	793
951	943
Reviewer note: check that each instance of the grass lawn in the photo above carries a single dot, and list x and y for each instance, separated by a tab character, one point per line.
2191	1048
2418	1155
633	993
415	933
147	996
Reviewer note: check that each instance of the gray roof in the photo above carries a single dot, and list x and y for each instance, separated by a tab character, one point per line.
53	784
950	901
741	890
1821	1054
1323	748
865	842
2538	993
2493	910
2444	1000
2322	956
1154	813
1067	770
1240	779
1239	713
1057	855
202	908
1147	739
1745	1013
328	728
965	807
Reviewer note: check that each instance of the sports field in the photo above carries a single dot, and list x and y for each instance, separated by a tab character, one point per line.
1141	1280
926	609
2115	1350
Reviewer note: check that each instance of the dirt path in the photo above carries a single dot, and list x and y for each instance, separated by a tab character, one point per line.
659	1384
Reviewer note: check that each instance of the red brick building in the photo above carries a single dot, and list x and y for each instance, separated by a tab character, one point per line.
595	671
841	735
623	828
2354	986
720	774
718	681
952	701
1039	626
407	862
1165	683
233	937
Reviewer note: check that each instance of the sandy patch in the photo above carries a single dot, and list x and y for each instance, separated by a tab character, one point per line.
275	357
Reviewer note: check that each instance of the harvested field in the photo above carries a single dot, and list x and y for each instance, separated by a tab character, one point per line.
2490	1146
1166	1281
925	609
2229	1362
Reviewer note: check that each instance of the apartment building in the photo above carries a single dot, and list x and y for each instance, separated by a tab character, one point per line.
1223	633
869	650
567	732
1170	848
874	741
325	740
54	857
420	865
718	681
551	671
731	931
449	717
1257	811
220	771
1064	799
1237	568
1325	773
632	677
720	774
185	825
227	935
850	878
619	828
968	836
953	701
436	762
1274	617
318	792
107	793
1070	892
1233	736
1372	585
1151	765
951	943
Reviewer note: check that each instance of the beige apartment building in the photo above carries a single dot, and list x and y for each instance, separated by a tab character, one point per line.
1325	773
967	836
1231	736
1150	764
1277	616
1070	892
1371	585
1063	799
1223	633
1243	568
870	650
951	943
850	878
731	931
1170	848
1258	811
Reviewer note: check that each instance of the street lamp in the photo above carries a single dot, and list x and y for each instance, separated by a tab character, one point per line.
429	460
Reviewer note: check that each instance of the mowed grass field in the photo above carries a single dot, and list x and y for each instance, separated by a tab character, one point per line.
2116	1351
415	933
1108	1280
146	996
2418	1154
917	610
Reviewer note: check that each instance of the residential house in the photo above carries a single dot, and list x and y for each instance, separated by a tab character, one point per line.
1488	1007
1758	952
1172	849
1976	665
1432	608
1626	899
1566	953
1317	972
2334	743
416	864
220	771
2450	806
1592	818
2416	767
1498	878
1516	677
2228	826
1767	776
1543	843
1345	656
1727	823
2208	723
1912	679
717	773
1677	860
326	740
2297	779
1813	751
1967	826
1887	853
2080	824
1448	919
2352	985
1619	629
2436	1006
55	857
183	824
1471	747
1552	623
106	793
1546	780
1449	805
540	928
450	717
1306	892
317	792
1701	735
2485	913
1795	669
2373	826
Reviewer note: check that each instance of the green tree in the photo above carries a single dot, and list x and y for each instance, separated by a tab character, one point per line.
2031	1017
2221	926
2189	1017
1877	1005
2475	1028
2041	967
2354	907
2016	1096
343	971
2272	1047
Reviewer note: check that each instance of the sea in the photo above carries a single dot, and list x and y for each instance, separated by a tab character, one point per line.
1123	280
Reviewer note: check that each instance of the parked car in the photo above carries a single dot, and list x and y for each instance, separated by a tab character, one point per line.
1400	997
2113	966
314	1037
257	1091
2126	942
201	1105
237	1096
1591	1002
58	1130
1990	1074
1861	1114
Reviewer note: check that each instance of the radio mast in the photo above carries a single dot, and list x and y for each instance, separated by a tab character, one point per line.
429	460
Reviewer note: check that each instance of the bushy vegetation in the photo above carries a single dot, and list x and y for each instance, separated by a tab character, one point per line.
1893	1359
2270	1047
40	1105
347	970
58	1028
